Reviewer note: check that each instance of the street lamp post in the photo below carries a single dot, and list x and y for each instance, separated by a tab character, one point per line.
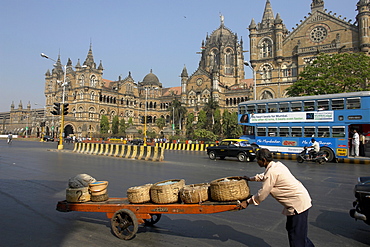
60	146
254	79
145	113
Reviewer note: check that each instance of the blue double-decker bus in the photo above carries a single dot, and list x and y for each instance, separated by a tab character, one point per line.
286	125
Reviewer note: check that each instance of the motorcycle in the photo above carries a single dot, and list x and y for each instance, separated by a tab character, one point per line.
361	206
305	155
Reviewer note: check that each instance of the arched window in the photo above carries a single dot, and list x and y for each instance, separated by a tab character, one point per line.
266	73
229	62
93	81
82	80
92	96
266	48
91	113
266	95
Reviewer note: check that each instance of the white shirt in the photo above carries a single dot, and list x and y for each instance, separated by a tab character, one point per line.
356	139
280	183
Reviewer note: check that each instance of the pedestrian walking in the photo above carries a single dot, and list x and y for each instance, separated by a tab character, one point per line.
278	181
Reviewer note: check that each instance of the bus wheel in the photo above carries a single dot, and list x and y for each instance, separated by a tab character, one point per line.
329	153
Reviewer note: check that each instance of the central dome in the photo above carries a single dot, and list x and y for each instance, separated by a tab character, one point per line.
151	79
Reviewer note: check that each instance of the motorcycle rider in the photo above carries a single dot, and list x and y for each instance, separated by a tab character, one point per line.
316	148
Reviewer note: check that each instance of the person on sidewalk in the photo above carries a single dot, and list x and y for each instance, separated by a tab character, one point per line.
278	181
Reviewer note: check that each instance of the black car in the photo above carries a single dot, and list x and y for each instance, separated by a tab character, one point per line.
361	206
239	148
137	142
48	139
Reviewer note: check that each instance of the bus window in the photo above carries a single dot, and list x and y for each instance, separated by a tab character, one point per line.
284	107
261	131
272	107
309	105
284	131
338	131
322	105
248	130
272	131
296	106
297	131
242	109
261	108
337	104
323	131
309	131
251	109
353	103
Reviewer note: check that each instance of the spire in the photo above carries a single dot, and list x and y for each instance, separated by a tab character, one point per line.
90	59
78	65
268	14
100	67
317	5
253	24
278	19
184	72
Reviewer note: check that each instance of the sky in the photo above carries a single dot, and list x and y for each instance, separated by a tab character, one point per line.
134	36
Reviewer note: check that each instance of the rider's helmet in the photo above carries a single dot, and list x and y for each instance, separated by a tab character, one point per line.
313	140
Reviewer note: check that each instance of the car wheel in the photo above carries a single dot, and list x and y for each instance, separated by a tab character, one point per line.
212	155
241	157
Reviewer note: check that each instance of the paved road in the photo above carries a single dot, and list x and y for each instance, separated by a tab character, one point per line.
33	179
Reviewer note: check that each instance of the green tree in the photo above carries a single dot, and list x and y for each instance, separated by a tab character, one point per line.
230	125
104	124
190	126
178	113
204	135
333	73
217	127
115	125
202	120
160	122
122	126
210	107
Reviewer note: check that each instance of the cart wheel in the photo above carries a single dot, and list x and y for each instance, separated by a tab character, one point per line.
124	224
155	218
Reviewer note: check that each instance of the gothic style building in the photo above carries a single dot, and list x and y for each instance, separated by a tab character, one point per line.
276	55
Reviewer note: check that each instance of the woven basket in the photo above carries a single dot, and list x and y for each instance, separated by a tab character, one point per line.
195	193
139	194
166	191
229	189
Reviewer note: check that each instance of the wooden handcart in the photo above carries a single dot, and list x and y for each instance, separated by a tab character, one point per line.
126	217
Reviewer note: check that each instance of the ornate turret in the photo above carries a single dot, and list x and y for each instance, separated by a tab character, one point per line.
363	18
268	17
317	5
184	78
90	59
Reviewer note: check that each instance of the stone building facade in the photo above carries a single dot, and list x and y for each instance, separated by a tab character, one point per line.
276	56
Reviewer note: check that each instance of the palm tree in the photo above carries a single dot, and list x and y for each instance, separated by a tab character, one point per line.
210	108
177	113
